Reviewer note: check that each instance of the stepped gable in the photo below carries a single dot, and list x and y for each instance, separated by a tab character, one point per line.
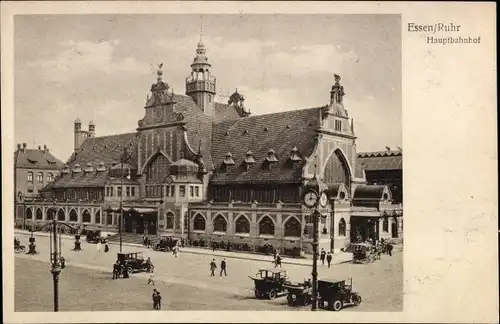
36	158
107	149
382	160
280	132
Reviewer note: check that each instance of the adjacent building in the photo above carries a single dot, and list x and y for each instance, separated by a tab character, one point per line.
210	171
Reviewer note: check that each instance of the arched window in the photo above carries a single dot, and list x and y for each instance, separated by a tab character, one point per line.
73	216
342	195
50	177
385	196
266	226
86	216
98	217
199	223
242	225
385	225
29	213
170	220
292	227
342	227
220	224
50	214
39	177
61	215
39	214
30	176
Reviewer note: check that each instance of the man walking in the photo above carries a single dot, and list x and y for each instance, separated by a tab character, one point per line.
322	256
329	259
116	270
213	266
223	267
155	300
158	300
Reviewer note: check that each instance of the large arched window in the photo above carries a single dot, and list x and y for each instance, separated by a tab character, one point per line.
242	225
30	176
73	216
39	177
337	169
86	216
98	217
157	168
220	224
266	226
50	214
61	215
39	214
342	227
29	213
199	223
50	177
170	220
292	227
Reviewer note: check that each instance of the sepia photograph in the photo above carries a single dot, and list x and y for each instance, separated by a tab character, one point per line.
165	162
243	162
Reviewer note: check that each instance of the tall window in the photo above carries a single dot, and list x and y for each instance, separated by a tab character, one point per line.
342	227
127	189
220	224
338	125
98	217
30	176
29	213
182	191
50	177
133	191
242	225
39	215
109	218
170	220
266	226
39	177
191	191
199	223
385	225
86	216
73	216
292	227
197	191
119	191
61	215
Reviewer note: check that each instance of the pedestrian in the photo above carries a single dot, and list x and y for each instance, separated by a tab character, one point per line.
322	256
223	267
116	270
158	300
389	249
213	266
213	246
144	242
274	254
148	242
329	259
151	279
99	246
155	300
63	262
106	247
125	270
278	261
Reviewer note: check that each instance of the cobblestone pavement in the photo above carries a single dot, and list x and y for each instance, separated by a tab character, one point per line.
380	283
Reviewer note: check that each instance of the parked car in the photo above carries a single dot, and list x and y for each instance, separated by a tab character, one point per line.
135	260
270	283
93	237
166	243
336	294
299	294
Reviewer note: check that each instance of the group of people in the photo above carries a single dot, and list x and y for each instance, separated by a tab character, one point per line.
328	256
106	245
156	299
120	270
213	266
277	259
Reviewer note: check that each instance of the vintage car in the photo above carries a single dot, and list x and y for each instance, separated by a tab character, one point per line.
270	283
362	253
93	237
299	294
336	294
135	261
166	243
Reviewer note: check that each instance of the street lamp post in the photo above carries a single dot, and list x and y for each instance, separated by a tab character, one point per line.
124	159
314	197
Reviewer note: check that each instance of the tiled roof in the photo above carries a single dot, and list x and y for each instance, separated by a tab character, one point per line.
368	192
107	149
31	158
80	180
384	160
280	132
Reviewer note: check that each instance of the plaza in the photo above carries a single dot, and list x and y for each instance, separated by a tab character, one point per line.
185	283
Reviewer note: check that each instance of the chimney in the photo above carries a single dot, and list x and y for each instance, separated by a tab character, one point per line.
18	146
45	148
39	148
24	146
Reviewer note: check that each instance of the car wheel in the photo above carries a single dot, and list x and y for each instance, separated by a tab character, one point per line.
289	300
337	305
258	294
356	300
272	294
130	270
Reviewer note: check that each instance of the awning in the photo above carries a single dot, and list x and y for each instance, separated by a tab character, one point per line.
143	210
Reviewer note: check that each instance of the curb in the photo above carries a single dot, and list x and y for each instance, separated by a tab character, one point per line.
243	257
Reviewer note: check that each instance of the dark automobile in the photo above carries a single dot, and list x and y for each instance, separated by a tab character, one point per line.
336	294
93	237
135	261
270	283
299	294
166	243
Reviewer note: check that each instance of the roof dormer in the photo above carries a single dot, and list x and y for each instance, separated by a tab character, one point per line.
76	168
249	159
101	167
66	169
89	168
294	154
271	159
228	160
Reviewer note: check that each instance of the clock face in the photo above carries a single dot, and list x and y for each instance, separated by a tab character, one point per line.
323	200
310	199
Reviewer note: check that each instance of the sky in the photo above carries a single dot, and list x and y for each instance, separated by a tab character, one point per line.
101	67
